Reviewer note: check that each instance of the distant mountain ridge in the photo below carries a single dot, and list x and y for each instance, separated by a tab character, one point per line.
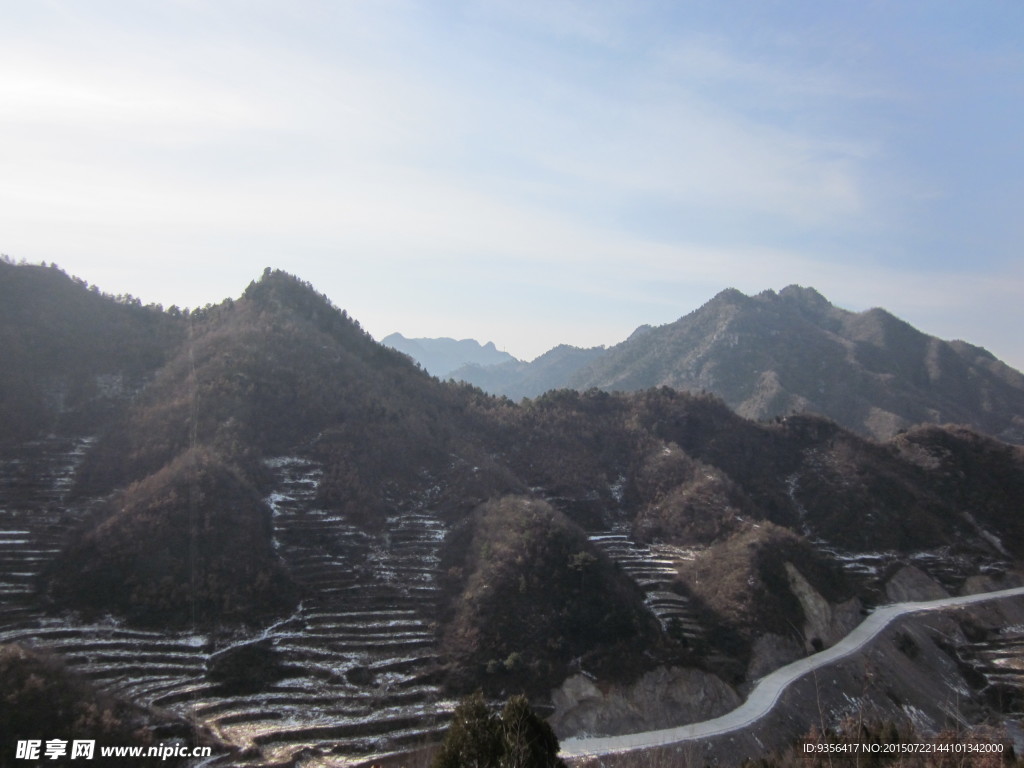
773	354
517	379
439	357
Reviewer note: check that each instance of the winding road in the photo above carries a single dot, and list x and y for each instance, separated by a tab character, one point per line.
767	692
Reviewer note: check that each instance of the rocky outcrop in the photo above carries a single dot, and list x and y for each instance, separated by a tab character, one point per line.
975	585
824	623
664	697
911	583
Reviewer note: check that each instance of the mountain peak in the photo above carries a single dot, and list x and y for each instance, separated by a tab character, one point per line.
640	331
278	288
729	296
776	353
804	296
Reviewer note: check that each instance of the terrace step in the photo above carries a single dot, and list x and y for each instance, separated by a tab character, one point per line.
653	568
360	650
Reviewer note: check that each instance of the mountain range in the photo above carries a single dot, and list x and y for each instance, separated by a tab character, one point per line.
262	474
774	354
440	357
518	379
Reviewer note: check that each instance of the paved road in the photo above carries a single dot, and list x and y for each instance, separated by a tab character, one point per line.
768	690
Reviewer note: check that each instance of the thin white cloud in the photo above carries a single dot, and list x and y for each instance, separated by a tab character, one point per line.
316	118
510	142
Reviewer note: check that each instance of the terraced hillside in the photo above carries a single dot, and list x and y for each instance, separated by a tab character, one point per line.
359	652
1001	660
654	567
353	664
35	521
33	518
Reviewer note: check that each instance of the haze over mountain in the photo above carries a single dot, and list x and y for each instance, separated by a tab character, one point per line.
439	357
271	475
518	379
774	354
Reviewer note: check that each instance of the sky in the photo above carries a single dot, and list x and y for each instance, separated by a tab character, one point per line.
529	173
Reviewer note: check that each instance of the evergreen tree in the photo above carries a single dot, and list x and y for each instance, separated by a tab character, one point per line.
477	738
527	740
473	739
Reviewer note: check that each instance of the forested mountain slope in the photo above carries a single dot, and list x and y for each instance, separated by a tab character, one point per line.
70	353
775	353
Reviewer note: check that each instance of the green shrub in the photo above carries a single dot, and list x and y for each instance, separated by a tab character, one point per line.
478	738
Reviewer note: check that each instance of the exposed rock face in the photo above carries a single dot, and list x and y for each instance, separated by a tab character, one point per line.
985	583
911	583
817	611
664	697
824	623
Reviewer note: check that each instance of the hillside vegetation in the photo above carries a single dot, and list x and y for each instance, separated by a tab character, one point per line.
529	595
42	701
71	353
182	534
775	354
190	544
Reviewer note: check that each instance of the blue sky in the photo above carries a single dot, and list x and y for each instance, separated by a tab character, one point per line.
527	173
